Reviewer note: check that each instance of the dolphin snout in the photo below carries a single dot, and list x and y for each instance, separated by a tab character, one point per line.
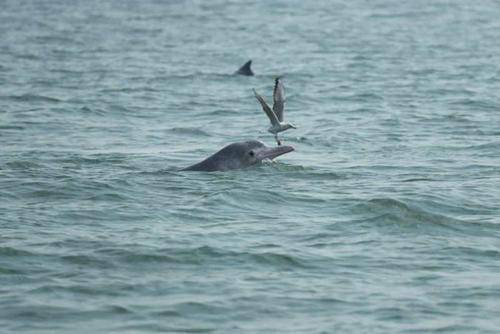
273	152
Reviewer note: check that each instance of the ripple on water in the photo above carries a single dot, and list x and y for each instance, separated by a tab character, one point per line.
388	212
190	132
204	255
34	98
383	220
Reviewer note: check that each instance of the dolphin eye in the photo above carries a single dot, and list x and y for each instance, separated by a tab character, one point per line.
252	153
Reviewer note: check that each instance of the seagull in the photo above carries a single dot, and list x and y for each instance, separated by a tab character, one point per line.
276	114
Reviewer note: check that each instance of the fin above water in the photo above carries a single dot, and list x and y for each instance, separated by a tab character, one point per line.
245	69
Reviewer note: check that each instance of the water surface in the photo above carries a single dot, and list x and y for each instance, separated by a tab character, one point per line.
384	220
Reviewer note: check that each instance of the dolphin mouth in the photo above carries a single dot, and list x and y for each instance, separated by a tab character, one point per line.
273	152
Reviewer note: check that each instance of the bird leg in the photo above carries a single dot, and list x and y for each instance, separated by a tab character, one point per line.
277	140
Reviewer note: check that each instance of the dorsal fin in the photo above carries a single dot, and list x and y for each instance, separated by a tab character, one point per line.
245	69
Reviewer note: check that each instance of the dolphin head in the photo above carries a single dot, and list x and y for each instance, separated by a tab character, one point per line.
240	155
261	152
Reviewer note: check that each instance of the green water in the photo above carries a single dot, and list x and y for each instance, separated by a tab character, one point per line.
385	219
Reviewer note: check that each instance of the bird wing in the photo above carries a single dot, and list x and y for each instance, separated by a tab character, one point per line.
272	116
279	99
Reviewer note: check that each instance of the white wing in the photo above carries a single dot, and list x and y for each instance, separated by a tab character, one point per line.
279	99
272	116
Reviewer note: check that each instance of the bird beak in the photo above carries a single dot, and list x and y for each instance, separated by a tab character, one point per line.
273	152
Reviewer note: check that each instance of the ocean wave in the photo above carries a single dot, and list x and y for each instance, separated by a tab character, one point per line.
85	290
485	105
198	255
476	252
136	256
155	327
492	147
23	165
111	197
391	211
139	89
10	271
357	97
14	252
31	98
279	260
94	159
219	112
88	110
43	312
12	127
189	131
86	260
318	174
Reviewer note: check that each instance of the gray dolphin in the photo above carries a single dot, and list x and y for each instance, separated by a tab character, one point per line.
245	69
239	155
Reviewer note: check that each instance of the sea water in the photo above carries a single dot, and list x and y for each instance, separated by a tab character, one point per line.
385	218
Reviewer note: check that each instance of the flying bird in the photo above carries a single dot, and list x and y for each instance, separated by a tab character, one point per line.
276	114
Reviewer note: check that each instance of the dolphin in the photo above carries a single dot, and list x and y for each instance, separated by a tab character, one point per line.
245	69
239	155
